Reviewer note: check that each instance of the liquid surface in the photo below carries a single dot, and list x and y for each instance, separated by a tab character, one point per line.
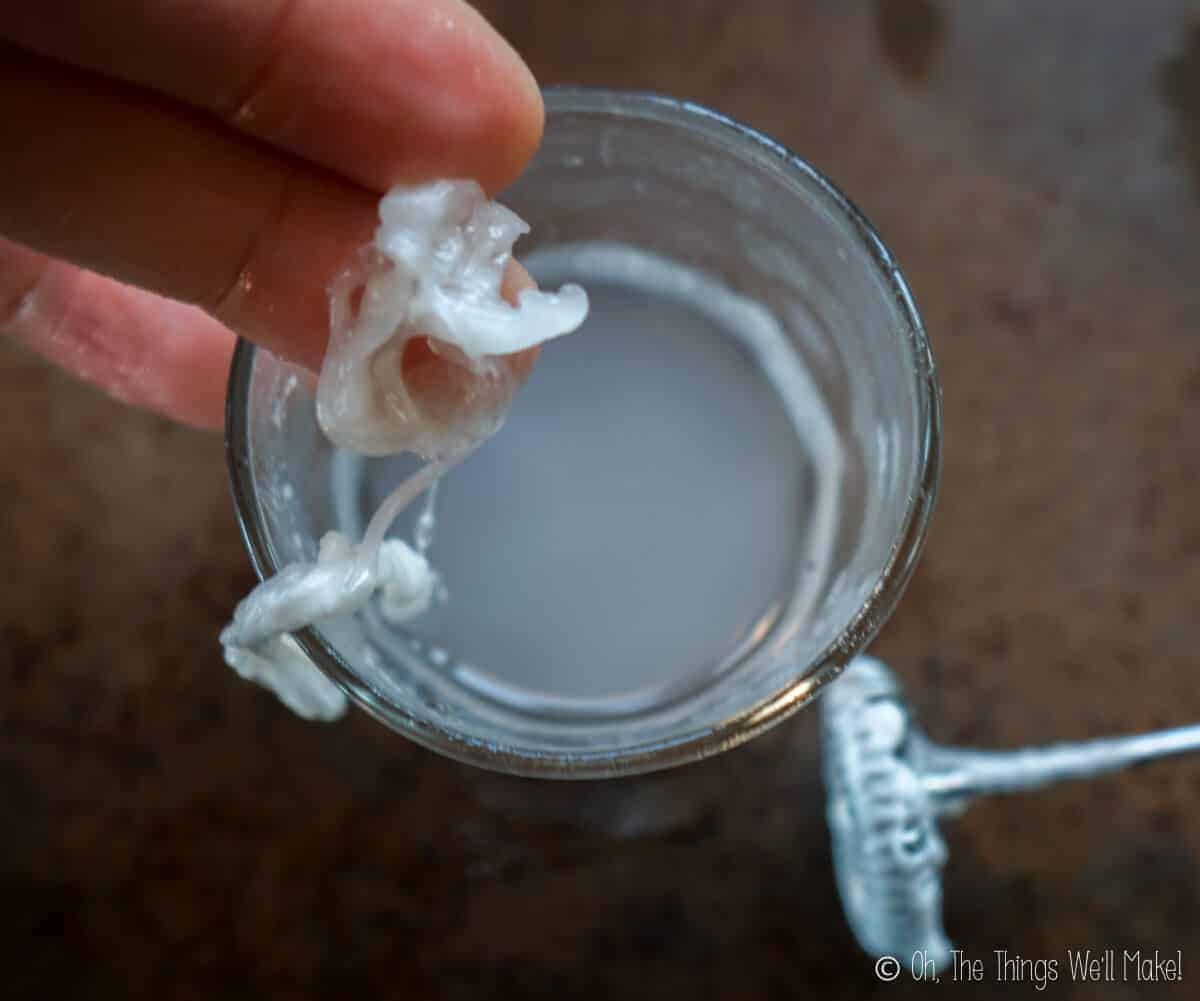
638	520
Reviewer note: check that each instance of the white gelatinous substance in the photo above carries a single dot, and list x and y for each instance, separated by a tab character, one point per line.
340	582
435	269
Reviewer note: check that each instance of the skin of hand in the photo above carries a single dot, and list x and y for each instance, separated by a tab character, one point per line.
179	172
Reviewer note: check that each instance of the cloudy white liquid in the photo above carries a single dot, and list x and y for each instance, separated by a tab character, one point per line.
663	486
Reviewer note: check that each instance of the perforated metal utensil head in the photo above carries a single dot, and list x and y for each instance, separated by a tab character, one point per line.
888	784
887	851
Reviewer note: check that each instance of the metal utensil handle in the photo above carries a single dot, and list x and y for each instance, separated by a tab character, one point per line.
953	776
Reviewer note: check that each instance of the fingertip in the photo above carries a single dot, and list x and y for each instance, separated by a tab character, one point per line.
516	280
523	120
499	106
393	92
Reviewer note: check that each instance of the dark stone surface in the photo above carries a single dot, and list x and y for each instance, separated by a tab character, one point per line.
168	831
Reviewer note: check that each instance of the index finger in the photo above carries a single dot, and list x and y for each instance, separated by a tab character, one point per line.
380	91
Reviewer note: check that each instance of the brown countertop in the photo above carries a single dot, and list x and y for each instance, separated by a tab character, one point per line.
166	830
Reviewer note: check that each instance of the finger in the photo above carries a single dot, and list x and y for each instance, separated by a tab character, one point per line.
129	187
382	91
139	347
516	281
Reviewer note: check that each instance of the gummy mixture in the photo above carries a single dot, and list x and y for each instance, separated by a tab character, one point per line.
432	278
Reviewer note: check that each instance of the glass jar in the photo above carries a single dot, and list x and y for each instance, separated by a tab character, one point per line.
755	396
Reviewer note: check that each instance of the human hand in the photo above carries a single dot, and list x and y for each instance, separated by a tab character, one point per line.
180	172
